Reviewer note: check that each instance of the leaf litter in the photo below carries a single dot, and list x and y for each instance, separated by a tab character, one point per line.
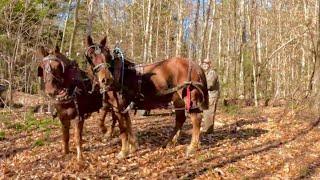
269	142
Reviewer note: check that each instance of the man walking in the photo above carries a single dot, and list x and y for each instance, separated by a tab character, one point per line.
214	93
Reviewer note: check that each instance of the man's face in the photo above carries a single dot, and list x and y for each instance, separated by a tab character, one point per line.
205	66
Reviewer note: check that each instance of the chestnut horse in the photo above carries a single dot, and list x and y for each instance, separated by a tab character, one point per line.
175	80
68	87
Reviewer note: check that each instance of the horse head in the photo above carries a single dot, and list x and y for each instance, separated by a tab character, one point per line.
99	57
52	68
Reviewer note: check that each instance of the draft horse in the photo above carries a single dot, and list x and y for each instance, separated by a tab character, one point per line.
176	80
68	87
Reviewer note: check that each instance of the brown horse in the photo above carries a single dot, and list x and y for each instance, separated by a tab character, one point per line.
68	87
175	80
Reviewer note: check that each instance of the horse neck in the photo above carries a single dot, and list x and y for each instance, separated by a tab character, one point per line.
128	63
73	74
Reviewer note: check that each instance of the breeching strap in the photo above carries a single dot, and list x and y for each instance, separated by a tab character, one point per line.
188	105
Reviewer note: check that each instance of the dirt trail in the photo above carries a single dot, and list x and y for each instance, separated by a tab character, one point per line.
253	144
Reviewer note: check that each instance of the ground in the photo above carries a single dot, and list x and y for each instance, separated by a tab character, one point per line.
253	143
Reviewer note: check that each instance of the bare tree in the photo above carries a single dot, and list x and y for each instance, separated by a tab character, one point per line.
65	25
90	6
147	32
204	34
75	27
179	27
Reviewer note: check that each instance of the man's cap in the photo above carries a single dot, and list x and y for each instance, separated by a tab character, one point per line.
207	61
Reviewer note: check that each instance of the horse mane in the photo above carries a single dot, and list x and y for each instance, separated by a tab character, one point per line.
71	64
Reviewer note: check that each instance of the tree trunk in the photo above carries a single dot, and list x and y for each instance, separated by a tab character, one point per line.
65	26
75	27
204	34
158	28
180	28
90	5
220	44
235	49
242	48
147	31
132	30
316	55
259	58
167	35
195	32
150	57
211	30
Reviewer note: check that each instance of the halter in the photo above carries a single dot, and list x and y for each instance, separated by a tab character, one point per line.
99	66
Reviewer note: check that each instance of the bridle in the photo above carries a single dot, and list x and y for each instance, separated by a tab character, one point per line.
76	91
97	51
47	68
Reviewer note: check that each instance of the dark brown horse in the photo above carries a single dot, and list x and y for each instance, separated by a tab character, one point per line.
68	87
177	80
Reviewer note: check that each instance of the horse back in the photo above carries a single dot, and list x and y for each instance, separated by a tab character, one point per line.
176	71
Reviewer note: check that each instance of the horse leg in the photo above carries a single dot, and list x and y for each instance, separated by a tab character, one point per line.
111	129
102	126
180	119
196	122
123	135
65	134
133	144
78	136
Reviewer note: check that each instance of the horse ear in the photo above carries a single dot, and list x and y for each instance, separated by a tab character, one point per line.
57	49
103	41
43	52
40	71
89	40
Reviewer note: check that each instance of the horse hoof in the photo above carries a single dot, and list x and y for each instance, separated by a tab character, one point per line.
122	155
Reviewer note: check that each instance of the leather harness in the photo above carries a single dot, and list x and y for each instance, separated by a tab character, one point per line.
139	69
